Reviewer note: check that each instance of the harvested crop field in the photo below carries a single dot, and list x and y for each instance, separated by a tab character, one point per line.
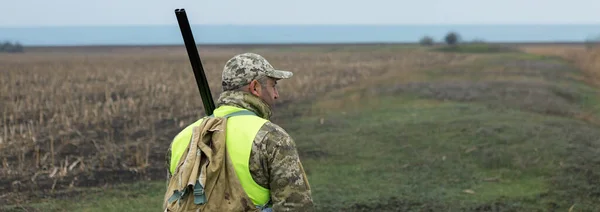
381	127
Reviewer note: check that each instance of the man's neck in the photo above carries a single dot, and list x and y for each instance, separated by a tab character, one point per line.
245	100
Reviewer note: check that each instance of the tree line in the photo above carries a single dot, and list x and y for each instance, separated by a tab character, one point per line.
11	47
452	38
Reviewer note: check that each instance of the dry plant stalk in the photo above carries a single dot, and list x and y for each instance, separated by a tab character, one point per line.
586	59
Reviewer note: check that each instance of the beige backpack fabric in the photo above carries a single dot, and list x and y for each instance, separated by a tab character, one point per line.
205	179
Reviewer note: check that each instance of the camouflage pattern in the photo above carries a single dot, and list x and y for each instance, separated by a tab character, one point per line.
274	161
245	100
243	68
275	164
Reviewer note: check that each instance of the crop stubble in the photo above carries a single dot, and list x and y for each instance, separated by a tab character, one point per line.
94	117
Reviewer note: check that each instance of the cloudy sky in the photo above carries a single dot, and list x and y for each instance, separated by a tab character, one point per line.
156	12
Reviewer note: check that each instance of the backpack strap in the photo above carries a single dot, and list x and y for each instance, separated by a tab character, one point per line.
238	113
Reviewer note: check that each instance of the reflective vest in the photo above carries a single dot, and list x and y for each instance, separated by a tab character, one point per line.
240	134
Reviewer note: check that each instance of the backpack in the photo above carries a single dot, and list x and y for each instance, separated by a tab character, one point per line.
205	179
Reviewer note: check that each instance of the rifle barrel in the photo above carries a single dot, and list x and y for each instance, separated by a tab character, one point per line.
190	45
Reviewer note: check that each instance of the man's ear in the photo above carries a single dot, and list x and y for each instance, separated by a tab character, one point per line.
254	88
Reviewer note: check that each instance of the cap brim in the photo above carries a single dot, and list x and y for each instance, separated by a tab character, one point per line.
281	74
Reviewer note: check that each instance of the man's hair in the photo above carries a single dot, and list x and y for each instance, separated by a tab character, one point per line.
262	81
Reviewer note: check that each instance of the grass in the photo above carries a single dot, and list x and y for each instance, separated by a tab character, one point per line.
427	155
587	59
117	109
143	196
397	129
477	48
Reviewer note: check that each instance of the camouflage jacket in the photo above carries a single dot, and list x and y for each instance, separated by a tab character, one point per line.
274	161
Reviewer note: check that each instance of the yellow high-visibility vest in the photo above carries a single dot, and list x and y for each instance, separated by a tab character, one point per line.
241	131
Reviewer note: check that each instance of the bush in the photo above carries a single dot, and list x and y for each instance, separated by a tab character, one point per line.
452	38
11	48
426	41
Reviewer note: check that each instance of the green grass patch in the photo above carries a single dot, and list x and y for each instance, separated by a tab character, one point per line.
141	196
437	155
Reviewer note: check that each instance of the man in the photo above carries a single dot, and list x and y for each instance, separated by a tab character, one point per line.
272	172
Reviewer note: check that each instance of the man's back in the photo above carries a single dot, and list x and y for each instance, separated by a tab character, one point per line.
265	156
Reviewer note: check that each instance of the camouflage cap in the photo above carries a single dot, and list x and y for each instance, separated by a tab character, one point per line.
243	68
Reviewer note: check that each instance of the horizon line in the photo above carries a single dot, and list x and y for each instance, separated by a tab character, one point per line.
524	42
303	24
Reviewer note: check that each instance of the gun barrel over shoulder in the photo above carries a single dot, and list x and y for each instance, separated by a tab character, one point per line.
194	56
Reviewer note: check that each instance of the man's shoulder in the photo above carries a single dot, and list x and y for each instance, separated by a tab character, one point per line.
273	128
273	135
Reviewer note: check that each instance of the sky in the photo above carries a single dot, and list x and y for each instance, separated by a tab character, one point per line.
36	13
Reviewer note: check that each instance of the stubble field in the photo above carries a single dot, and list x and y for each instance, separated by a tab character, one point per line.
387	127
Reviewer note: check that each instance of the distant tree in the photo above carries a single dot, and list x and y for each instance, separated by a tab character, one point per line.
10	47
5	46
452	38
426	41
